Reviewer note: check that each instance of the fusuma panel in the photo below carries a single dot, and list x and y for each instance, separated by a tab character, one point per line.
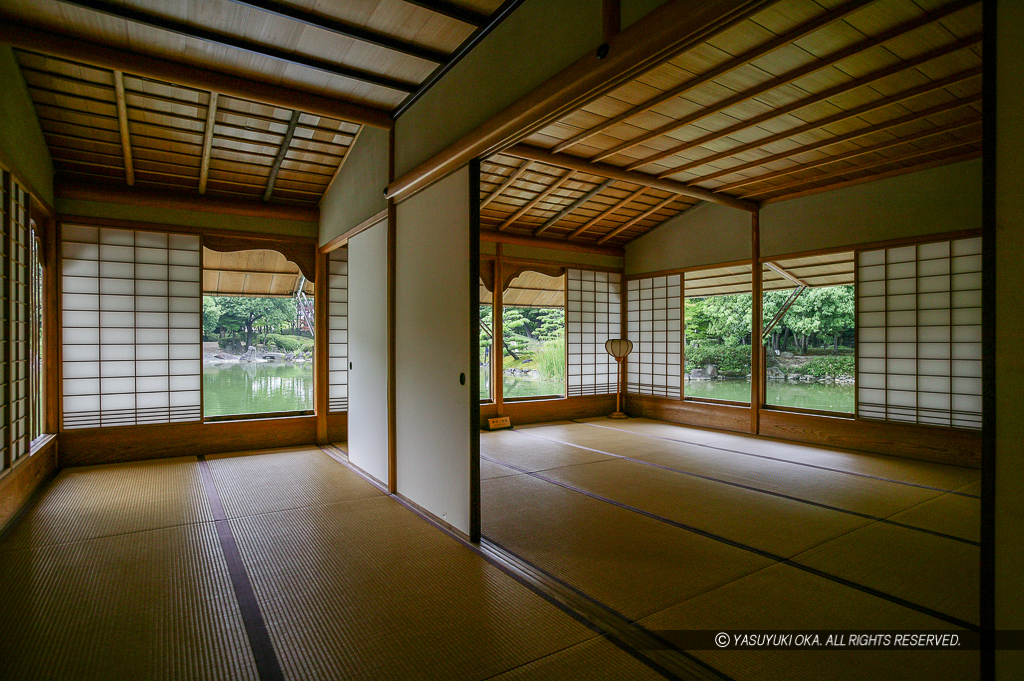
337	325
131	327
592	316
919	333
654	324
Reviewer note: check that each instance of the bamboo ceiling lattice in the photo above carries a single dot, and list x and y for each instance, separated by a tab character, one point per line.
800	97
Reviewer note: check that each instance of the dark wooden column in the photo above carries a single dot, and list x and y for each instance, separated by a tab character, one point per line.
321	334
756	326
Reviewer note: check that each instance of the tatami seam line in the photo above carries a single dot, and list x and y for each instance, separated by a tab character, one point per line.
775	458
760	552
759	490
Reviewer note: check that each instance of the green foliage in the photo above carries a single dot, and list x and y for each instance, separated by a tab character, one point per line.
289	343
242	313
725	319
211	315
549	361
727	358
834	366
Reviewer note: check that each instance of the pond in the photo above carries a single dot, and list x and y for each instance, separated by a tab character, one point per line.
820	396
519	386
257	388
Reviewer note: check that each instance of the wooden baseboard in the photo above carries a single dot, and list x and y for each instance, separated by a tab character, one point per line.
540	411
734	418
140	443
337	427
19	484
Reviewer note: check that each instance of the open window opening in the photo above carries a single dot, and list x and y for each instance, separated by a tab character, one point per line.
809	333
717	349
257	335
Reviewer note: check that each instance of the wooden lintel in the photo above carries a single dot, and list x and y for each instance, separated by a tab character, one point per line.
557	244
122	125
81	191
672	28
616	173
281	153
211	119
27	38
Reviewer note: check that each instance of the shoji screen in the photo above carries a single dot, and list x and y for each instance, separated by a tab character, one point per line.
592	316
132	323
14	336
337	325
654	324
919	327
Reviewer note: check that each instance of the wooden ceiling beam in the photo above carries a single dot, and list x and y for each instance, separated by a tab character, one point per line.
799	32
509	181
800	104
122	124
608	212
118	59
976	120
646	214
281	153
548	191
789	77
668	30
867	166
572	207
616	173
337	27
558	244
848	137
211	120
829	120
186	30
453	11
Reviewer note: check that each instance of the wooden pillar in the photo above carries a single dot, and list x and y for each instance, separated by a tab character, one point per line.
498	339
756	326
624	333
392	279
611	19
51	324
5	258
321	334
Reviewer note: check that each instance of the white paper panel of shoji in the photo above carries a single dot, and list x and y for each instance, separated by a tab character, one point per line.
132	327
654	324
18	290
919	333
592	316
337	330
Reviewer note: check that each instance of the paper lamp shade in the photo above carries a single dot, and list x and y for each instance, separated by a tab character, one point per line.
618	347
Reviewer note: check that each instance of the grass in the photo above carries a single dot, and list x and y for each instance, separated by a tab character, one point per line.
549	360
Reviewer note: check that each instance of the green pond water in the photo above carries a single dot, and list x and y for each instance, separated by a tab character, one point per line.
259	388
819	396
516	386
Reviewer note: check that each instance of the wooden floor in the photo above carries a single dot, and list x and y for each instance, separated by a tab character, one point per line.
678	528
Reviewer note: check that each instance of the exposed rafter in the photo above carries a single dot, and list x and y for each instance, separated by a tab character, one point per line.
548	191
122	125
608	212
211	120
789	77
551	222
616	173
806	102
801	31
452	11
342	28
646	214
281	153
116	58
509	181
198	32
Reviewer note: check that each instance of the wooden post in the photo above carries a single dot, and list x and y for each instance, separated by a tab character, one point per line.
51	325
498	339
321	335
623	333
611	19
392	278
756	324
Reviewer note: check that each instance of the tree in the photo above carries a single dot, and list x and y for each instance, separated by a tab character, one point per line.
211	315
238	312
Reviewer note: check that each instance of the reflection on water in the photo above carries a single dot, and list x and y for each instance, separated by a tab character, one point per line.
821	396
519	386
259	388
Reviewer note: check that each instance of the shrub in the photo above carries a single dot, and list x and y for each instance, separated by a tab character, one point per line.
835	365
727	358
289	343
550	360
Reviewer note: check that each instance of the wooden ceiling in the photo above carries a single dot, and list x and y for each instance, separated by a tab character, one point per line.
800	97
118	126
261	273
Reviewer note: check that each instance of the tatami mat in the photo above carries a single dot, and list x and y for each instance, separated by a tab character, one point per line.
633	564
368	590
907	470
490	470
532	453
782	597
951	514
595	660
267	481
781	526
932	571
98	501
155	604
